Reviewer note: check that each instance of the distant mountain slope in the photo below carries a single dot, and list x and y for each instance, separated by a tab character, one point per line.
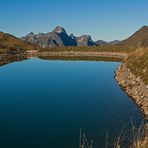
113	42
8	41
139	38
101	42
58	37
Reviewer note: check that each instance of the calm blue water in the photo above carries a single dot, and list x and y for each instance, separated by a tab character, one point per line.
43	104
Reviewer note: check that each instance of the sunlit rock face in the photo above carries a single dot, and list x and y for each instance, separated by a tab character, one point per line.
85	40
58	37
50	39
59	30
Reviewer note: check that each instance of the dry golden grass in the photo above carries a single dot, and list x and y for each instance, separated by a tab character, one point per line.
9	42
137	140
137	62
107	48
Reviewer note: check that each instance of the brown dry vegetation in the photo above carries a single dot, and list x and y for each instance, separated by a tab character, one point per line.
9	43
139	38
137	62
107	48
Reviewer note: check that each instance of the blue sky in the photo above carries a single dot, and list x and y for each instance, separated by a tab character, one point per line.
102	19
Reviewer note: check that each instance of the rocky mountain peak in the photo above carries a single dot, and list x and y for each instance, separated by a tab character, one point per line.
31	34
59	30
72	36
85	40
29	37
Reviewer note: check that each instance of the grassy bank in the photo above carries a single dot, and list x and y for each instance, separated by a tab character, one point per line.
10	44
137	62
107	48
81	58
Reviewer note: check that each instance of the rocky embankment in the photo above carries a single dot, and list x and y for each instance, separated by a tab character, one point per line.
134	86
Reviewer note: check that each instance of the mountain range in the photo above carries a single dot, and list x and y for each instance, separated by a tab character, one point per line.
59	37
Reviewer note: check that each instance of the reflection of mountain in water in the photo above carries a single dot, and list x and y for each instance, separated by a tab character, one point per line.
81	58
13	58
10	59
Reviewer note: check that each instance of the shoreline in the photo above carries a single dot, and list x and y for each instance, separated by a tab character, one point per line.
138	93
89	54
77	54
134	87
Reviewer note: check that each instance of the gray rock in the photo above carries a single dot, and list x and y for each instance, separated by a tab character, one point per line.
50	39
85	40
59	30
58	37
134	87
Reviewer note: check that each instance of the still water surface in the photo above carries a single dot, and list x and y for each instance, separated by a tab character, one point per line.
43	104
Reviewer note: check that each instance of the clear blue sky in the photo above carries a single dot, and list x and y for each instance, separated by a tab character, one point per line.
102	19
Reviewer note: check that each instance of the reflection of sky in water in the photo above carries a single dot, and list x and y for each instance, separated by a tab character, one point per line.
44	103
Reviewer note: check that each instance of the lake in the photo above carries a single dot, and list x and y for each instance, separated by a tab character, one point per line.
44	103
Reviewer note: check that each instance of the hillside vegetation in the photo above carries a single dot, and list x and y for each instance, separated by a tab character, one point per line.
107	48
139	38
9	43
137	62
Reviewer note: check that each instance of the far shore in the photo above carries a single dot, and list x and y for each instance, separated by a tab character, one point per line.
80	54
